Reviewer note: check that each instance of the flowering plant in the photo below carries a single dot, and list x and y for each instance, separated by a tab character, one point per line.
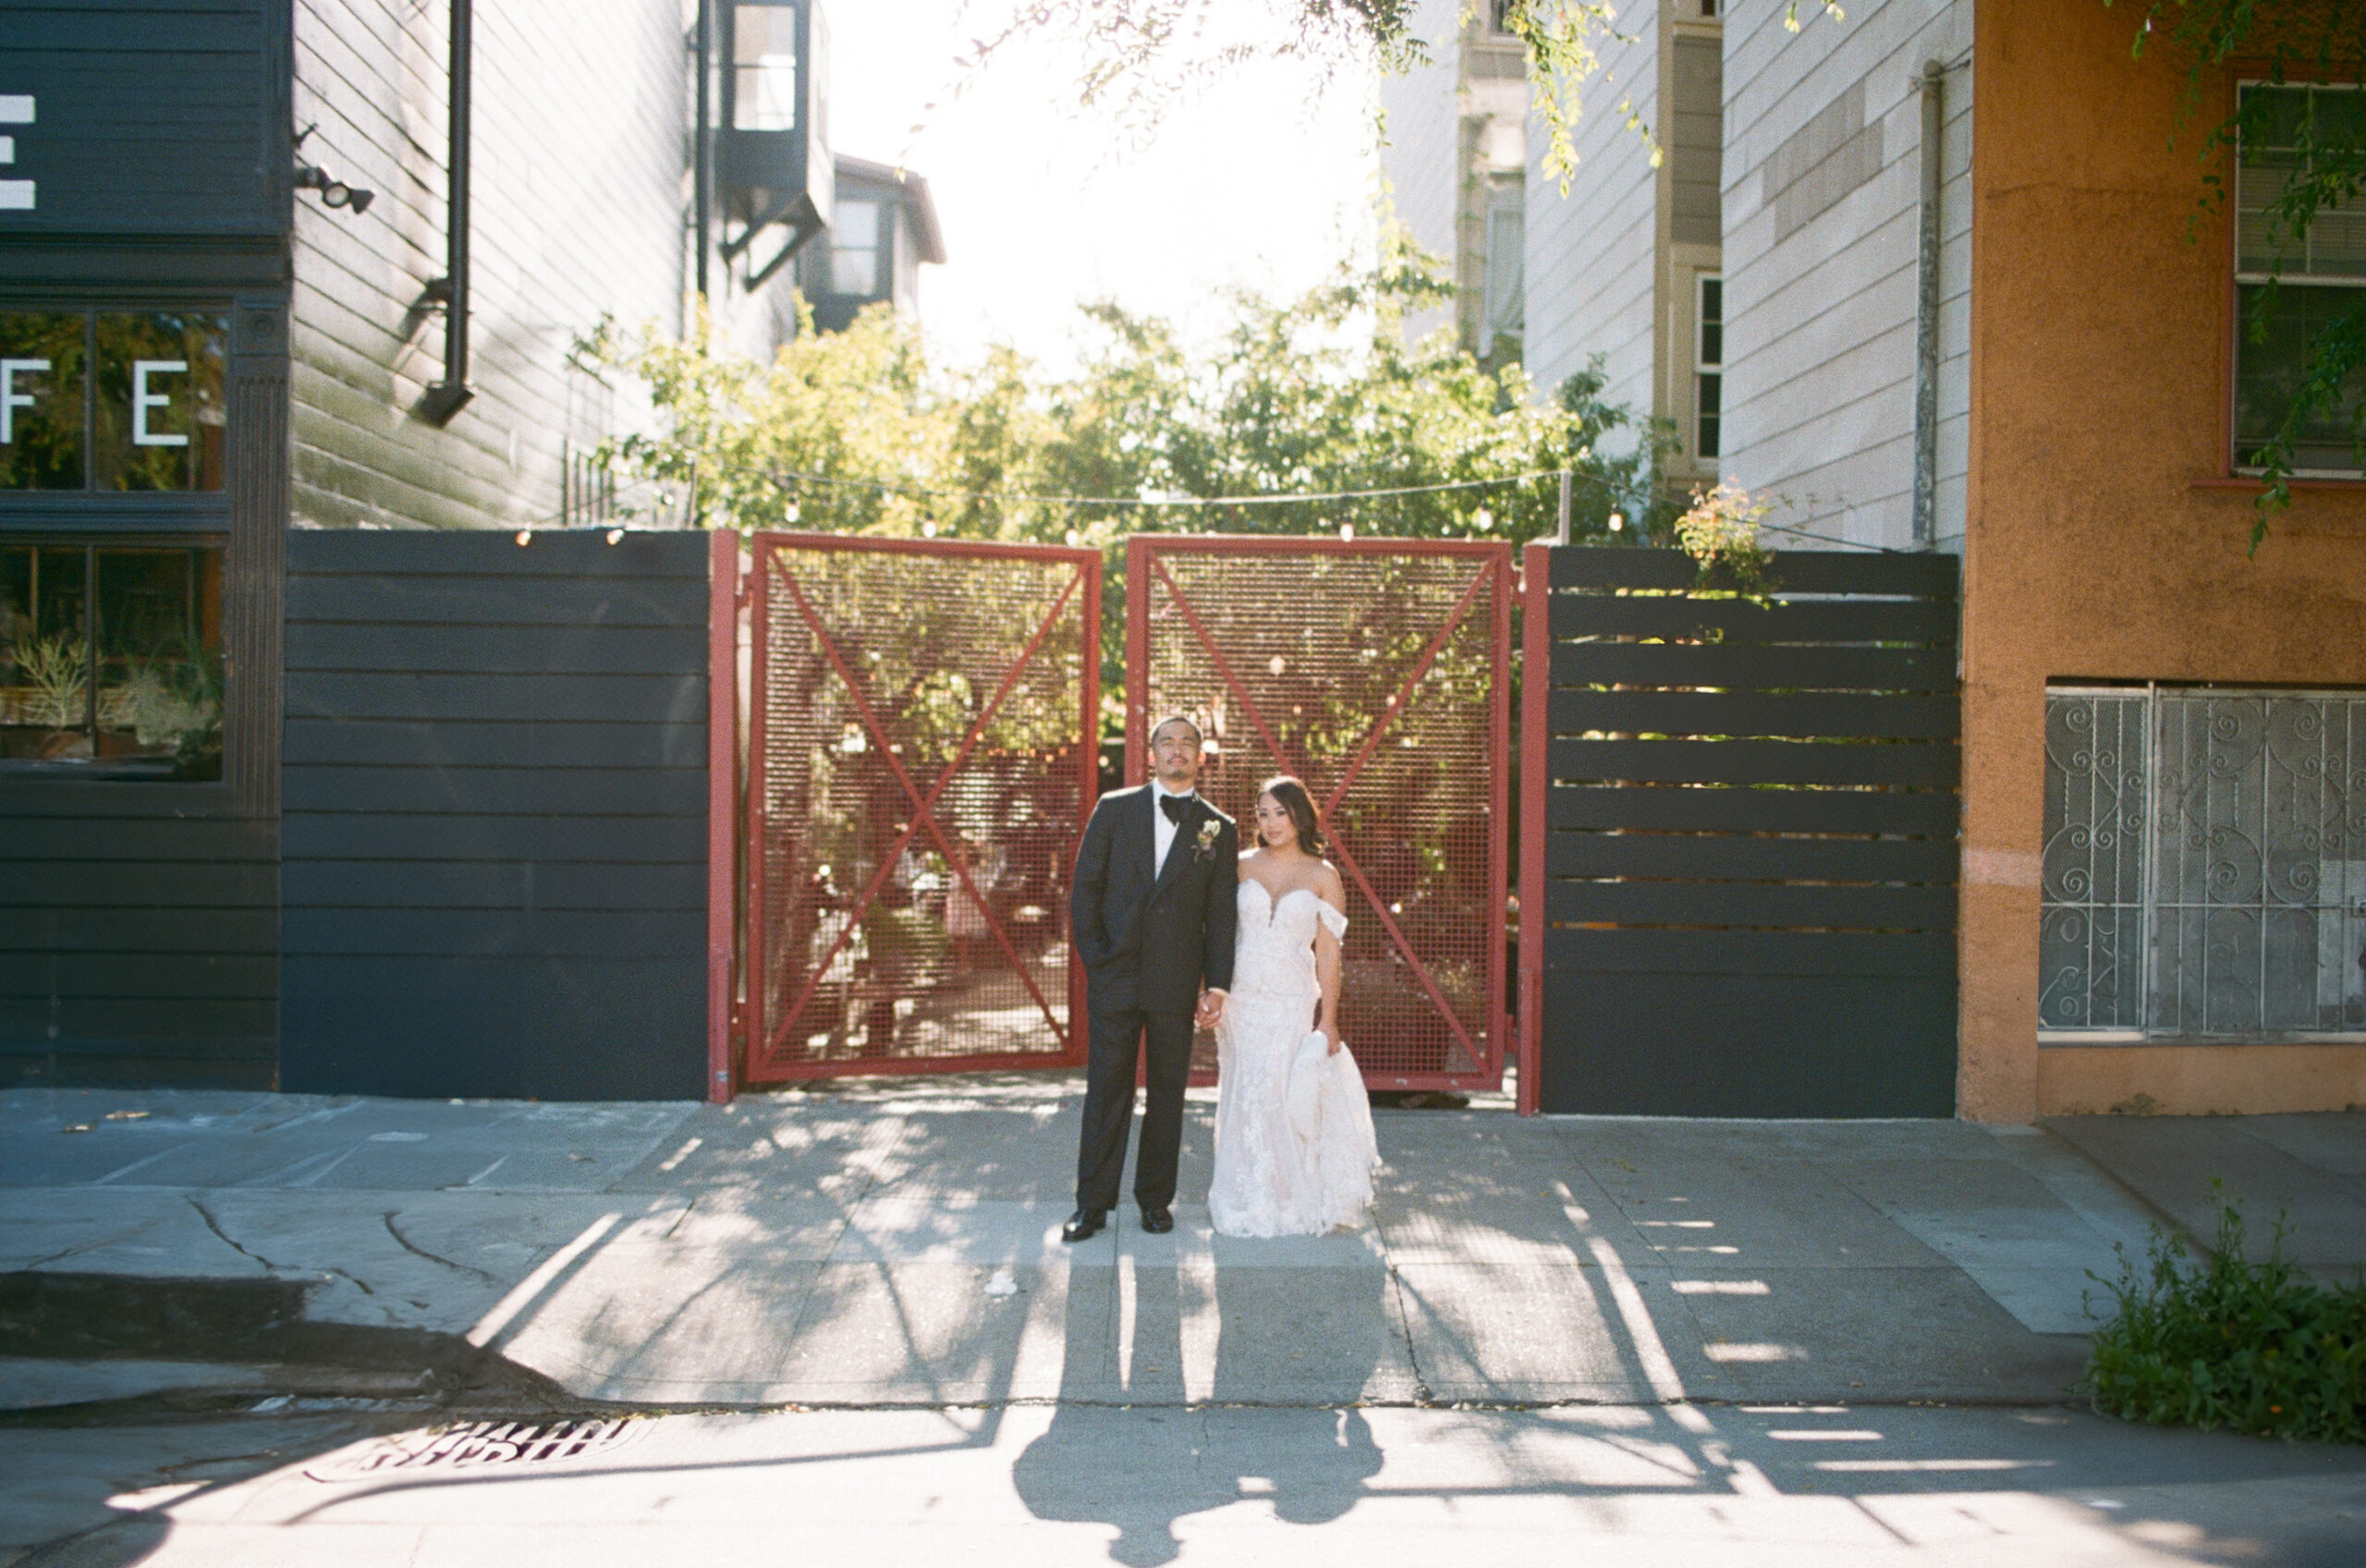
1208	830
1721	529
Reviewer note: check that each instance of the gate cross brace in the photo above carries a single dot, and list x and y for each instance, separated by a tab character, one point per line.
923	813
1257	718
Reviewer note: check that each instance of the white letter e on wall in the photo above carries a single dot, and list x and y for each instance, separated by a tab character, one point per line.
143	400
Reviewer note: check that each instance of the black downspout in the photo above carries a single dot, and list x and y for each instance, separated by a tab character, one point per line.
448	396
701	144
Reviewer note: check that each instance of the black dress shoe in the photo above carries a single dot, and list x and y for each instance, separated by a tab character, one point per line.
1084	1224
1157	1221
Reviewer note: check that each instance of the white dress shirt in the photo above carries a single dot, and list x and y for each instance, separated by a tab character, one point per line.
1162	832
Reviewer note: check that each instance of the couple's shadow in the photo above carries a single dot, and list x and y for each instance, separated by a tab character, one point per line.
1124	1449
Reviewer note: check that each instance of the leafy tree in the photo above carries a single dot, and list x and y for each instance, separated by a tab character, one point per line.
2321	164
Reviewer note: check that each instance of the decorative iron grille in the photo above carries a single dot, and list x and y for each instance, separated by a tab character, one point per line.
1376	671
921	760
2205	869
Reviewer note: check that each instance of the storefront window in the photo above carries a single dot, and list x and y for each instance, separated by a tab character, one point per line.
150	419
43	401
110	658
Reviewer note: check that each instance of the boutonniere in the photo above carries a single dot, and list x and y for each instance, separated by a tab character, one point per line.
1208	830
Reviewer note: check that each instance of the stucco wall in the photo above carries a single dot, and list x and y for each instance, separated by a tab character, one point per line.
1822	201
2098	549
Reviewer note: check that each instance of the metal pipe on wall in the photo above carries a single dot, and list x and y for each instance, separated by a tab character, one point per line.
449	395
1932	83
701	145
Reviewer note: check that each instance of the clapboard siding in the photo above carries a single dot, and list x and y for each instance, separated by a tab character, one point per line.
1422	152
1591	252
1820	320
138	937
578	214
495	829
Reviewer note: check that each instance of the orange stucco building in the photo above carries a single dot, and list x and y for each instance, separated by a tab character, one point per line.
2107	538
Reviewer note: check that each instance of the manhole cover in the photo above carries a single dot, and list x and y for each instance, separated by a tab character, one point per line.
479	1445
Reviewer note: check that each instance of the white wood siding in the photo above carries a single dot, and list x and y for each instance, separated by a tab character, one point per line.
1590	252
1820	320
581	127
1421	152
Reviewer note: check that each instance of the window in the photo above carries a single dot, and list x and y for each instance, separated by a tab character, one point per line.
854	249
1507	303
2204	871
2316	279
763	66
110	658
111	400
1498	14
1708	362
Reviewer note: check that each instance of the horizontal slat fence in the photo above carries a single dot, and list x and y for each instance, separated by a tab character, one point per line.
1744	852
495	833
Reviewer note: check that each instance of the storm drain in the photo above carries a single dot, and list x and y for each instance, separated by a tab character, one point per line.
480	1445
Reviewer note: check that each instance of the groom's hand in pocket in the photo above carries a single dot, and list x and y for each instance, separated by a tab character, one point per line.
1210	1009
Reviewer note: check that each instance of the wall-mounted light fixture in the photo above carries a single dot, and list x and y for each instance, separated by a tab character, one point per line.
334	191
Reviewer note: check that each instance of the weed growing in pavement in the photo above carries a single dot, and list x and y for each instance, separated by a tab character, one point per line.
2214	1342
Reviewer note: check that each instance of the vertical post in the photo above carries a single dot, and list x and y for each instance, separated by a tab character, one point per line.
1499	805
1089	791
1561	533
722	802
1137	657
446	397
754	1026
1933	82
1535	783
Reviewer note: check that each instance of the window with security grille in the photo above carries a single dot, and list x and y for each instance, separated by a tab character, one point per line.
2204	872
2290	287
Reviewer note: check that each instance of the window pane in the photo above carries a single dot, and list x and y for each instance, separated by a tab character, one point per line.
764	54
854	248
45	662
158	417
1713	322
156	708
160	673
40	401
2268	373
2283	127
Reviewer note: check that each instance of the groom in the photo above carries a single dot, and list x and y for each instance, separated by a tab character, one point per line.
1154	907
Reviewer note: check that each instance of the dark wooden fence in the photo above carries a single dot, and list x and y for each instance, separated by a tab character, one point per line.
1745	851
494	842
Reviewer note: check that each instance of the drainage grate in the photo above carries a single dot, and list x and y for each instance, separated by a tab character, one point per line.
481	1444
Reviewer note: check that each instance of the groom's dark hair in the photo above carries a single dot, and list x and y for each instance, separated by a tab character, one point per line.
1183	718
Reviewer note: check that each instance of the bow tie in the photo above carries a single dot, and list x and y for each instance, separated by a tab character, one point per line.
1176	807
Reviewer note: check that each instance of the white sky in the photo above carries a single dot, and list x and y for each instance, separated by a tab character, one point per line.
1266	180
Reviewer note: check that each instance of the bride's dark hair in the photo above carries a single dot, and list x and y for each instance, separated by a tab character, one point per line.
1293	798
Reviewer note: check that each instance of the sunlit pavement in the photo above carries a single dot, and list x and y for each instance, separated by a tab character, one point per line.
1554	1330
1689	1483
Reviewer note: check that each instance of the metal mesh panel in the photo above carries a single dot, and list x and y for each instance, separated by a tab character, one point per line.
920	758
2092	941
1376	672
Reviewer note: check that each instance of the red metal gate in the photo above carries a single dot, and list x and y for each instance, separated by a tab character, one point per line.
1378	672
922	753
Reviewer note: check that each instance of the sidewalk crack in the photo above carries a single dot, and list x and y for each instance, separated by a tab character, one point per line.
1422	1393
411	1247
224	1237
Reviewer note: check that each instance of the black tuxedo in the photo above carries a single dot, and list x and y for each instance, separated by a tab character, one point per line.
1149	941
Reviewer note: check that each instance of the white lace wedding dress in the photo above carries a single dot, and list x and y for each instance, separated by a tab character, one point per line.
1292	1158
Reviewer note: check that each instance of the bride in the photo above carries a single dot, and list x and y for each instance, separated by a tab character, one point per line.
1295	1150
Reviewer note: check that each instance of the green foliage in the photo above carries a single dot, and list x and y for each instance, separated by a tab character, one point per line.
860	432
2303	41
2260	1347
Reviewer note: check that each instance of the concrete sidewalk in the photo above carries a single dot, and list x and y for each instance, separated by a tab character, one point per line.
897	1244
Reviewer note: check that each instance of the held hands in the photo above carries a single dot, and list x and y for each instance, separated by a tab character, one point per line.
1329	1031
1210	1009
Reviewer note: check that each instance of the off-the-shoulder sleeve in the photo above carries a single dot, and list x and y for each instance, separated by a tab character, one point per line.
1331	918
